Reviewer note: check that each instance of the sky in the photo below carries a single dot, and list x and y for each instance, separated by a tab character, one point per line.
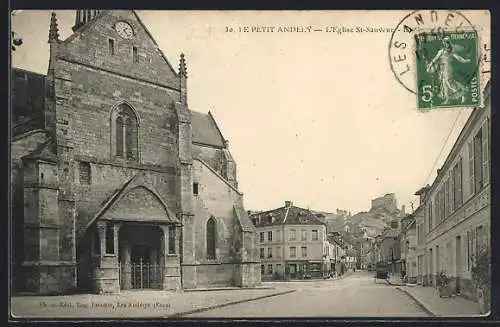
316	118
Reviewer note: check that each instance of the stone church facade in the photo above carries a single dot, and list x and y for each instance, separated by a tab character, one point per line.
116	183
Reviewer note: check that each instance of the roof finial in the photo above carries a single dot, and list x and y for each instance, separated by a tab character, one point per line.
53	30
182	66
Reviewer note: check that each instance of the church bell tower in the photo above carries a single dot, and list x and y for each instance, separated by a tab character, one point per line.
83	16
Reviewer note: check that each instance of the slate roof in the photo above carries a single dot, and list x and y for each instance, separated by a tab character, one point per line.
27	100
287	216
43	152
205	129
242	216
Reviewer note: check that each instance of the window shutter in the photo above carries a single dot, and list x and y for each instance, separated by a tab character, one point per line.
451	191
443	199
471	168
459	182
486	152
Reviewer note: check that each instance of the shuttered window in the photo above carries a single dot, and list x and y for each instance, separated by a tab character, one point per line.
486	152
457	185
478	162
470	149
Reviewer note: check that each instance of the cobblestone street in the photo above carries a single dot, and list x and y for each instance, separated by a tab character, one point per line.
354	296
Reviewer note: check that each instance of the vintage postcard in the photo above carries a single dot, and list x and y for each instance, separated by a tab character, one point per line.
249	164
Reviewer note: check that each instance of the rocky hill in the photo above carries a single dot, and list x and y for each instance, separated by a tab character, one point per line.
383	211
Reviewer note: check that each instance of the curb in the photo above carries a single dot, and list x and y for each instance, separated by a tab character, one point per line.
228	289
392	284
418	302
216	306
305	280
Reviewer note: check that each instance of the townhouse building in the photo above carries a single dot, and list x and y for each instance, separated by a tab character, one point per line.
292	243
337	254
408	245
390	250
420	228
457	206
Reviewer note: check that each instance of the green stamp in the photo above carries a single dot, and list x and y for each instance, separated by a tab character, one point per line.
447	70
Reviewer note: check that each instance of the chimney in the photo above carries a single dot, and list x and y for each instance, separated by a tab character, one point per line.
288	204
403	208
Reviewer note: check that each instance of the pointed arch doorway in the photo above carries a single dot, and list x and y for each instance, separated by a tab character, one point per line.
140	256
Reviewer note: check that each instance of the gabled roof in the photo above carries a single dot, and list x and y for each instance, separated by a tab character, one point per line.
120	192
213	171
288	216
205	130
105	12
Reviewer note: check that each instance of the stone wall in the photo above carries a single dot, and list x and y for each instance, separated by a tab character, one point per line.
210	155
91	47
48	279
215	198
95	95
215	275
108	178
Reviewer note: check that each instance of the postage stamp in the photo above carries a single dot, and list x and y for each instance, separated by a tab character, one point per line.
441	57
447	71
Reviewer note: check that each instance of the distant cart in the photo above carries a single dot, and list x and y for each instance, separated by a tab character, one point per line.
381	271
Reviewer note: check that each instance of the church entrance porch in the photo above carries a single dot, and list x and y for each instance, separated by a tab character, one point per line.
135	256
140	257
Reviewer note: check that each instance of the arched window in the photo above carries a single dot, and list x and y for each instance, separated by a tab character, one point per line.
126	136
211	238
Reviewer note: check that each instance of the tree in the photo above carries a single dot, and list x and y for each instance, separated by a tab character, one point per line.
15	40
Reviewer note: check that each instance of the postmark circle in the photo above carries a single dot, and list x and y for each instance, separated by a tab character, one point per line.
403	52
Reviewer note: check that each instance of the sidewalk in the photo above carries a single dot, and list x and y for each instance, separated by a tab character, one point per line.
133	304
268	282
428	299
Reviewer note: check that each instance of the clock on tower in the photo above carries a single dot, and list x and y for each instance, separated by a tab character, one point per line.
124	30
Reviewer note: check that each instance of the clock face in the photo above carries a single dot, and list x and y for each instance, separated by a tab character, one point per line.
124	30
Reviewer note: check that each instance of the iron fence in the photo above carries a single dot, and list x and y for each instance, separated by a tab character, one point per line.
141	275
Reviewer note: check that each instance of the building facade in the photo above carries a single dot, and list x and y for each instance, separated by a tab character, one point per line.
116	182
292	243
457	206
420	246
408	245
390	249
